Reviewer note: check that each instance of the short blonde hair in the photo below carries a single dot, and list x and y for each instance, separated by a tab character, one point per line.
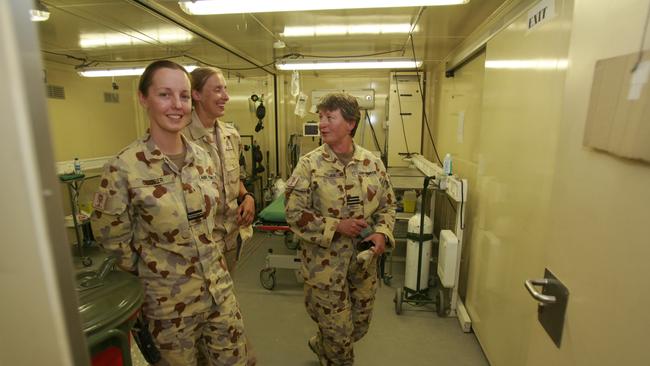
146	79
344	102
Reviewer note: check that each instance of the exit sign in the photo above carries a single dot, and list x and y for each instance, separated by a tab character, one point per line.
541	13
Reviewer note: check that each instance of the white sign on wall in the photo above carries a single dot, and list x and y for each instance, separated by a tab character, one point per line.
541	13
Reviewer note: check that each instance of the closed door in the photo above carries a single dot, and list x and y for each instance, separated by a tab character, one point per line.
517	155
599	233
547	202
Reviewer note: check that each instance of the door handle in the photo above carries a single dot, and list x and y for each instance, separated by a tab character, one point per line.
552	301
543	299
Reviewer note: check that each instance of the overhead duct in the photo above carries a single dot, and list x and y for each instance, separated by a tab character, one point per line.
198	30
477	41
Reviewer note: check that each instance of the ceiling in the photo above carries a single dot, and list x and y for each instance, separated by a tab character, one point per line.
132	32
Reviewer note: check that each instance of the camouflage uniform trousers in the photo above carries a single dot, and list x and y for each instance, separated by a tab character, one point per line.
212	338
343	317
230	249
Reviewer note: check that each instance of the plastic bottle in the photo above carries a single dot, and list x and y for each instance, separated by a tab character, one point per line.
410	197
77	166
446	165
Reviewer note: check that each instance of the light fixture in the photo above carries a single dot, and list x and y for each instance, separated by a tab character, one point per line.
120	71
339	30
205	7
532	64
40	13
347	64
92	40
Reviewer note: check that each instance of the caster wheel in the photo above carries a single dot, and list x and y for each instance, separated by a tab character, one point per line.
440	303
86	261
267	278
399	297
290	243
387	280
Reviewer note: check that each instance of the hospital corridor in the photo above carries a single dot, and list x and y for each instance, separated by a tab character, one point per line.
336	183
277	317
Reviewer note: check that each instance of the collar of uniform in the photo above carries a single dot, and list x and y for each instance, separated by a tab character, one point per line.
196	129
358	155
153	153
330	155
190	154
224	129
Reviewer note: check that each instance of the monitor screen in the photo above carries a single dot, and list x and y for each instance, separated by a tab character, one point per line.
310	129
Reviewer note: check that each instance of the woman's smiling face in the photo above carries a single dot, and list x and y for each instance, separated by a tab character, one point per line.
168	101
212	98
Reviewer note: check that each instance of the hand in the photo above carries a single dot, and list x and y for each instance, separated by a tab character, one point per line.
351	227
246	211
379	240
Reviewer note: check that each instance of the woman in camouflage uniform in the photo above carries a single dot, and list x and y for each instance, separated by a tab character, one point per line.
338	196
155	211
210	95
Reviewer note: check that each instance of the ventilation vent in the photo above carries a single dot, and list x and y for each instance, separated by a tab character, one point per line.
111	97
406	78
55	92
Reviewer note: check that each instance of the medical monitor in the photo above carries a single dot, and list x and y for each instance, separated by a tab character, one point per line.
310	129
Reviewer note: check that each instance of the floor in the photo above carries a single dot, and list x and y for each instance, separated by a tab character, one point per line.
278	326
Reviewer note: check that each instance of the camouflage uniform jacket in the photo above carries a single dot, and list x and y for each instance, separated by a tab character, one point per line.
159	221
321	192
225	155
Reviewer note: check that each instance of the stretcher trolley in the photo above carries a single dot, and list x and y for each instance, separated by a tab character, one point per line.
272	219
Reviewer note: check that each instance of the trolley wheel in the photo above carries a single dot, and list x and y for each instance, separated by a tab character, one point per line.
399	297
387	279
290	243
86	261
440	303
267	278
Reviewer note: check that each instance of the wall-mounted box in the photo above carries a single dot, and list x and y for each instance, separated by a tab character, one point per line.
447	258
619	107
404	117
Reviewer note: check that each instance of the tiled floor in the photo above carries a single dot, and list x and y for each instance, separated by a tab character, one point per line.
278	326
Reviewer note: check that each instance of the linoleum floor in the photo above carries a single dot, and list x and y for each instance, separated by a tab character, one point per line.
279	327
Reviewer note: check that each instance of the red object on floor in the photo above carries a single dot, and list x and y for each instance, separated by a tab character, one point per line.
111	356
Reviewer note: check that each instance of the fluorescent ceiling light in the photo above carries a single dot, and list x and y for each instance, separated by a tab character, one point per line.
205	7
40	14
347	64
92	40
107	40
331	30
123	71
537	64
